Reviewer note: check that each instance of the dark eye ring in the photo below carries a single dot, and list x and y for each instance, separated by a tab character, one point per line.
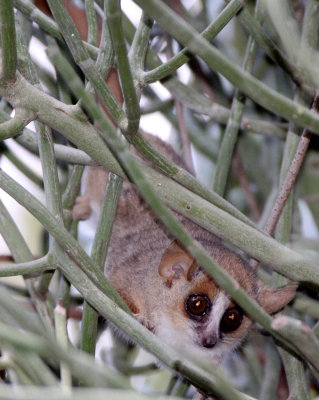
197	305
231	319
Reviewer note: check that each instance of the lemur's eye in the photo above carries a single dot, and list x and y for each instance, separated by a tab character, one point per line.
197	305
231	319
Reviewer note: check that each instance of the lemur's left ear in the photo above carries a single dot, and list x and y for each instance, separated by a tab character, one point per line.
273	300
176	263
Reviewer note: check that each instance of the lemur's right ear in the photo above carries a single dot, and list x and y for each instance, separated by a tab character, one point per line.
176	263
273	300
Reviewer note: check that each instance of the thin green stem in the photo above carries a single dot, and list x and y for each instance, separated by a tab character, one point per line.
24	168
296	377
32	365
181	388
105	56
225	153
28	321
12	236
184	56
99	251
131	102
137	370
272	373
92	22
26	268
16	124
8	43
139	46
62	339
73	187
306	305
301	335
50	173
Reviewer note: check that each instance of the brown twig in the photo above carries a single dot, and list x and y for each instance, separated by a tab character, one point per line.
242	177
290	179
292	174
186	146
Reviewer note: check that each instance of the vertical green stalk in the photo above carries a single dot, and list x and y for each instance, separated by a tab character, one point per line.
131	102
139	46
92	22
23	167
47	157
296	377
8	42
105	56
272	373
99	251
231	132
62	339
52	192
71	192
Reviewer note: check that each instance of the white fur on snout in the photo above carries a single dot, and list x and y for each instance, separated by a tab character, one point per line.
181	333
219	306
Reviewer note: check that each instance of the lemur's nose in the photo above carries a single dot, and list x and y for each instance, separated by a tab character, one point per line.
210	341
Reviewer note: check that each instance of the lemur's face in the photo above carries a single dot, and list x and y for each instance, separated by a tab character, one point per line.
202	319
196	315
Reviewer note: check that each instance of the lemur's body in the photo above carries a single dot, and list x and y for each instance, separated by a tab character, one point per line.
162	284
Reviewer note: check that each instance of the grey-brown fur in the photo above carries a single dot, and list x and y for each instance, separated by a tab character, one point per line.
138	244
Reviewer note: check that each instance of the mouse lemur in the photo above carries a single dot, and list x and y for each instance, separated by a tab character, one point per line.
165	288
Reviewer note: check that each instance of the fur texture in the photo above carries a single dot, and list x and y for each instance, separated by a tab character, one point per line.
155	275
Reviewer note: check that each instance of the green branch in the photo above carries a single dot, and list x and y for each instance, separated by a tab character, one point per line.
92	22
229	141
26	268
99	252
16	124
131	102
8	43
